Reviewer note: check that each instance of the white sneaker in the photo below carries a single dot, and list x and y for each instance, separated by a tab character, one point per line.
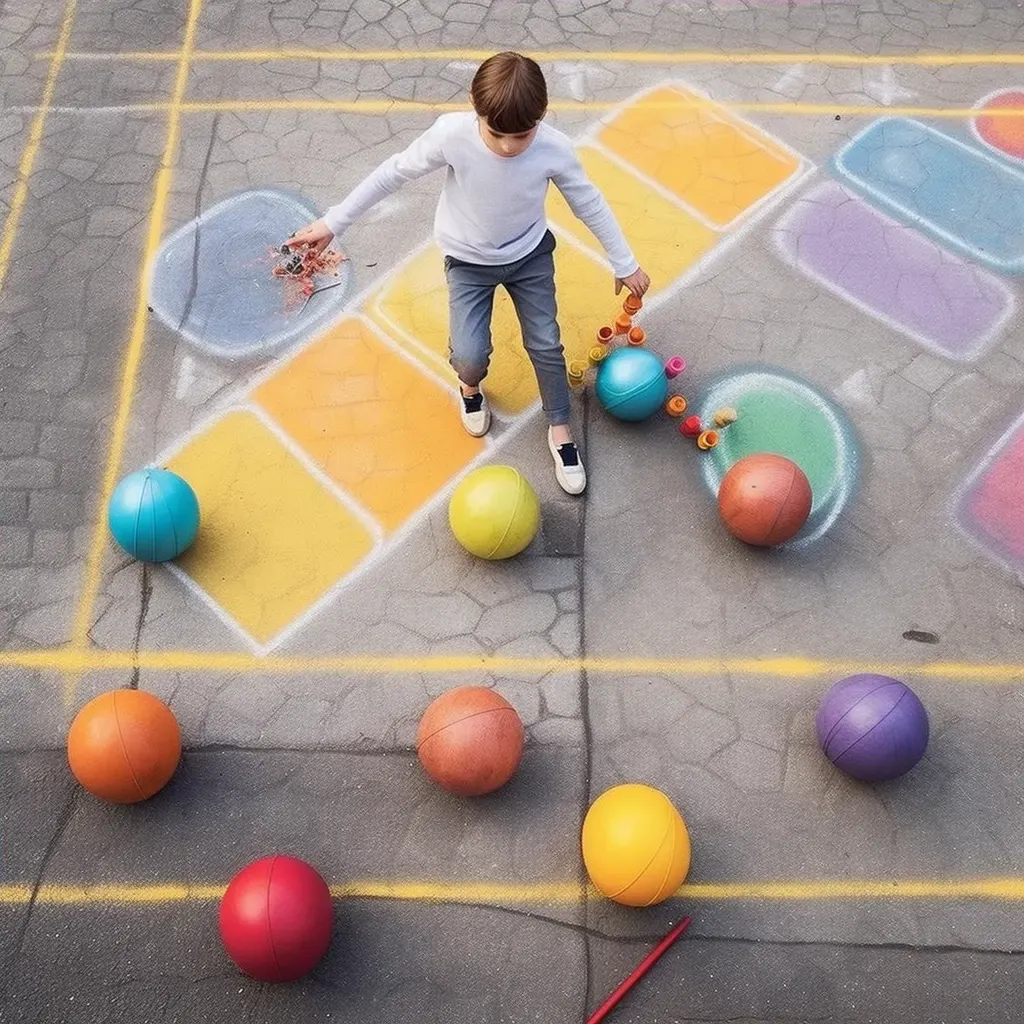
569	471
475	414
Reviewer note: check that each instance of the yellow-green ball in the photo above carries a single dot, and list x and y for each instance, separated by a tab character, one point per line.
494	512
635	845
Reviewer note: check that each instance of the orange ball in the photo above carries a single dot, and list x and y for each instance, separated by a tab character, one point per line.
124	745
470	740
764	499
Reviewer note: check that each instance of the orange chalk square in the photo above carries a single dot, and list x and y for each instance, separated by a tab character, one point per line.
715	162
380	427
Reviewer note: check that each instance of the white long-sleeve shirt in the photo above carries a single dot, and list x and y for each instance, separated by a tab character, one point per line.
491	209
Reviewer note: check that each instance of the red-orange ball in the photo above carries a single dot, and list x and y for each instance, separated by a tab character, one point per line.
764	499
470	740
276	918
124	745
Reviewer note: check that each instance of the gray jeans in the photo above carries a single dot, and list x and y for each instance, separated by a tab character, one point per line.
530	282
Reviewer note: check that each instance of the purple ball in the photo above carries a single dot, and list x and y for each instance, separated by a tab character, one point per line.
872	727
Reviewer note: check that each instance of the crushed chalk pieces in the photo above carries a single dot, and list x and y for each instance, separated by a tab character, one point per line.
302	268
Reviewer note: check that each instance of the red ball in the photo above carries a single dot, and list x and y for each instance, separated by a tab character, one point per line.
276	918
470	740
764	499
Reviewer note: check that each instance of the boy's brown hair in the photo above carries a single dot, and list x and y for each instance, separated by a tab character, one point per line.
510	93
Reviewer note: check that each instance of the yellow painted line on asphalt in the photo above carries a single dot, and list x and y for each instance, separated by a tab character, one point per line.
35	139
383	107
655	57
84	895
997	890
795	667
133	355
253	106
747	106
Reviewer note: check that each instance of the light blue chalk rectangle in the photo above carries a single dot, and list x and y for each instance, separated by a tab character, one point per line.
213	279
970	200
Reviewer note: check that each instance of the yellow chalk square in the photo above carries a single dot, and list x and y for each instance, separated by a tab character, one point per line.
273	539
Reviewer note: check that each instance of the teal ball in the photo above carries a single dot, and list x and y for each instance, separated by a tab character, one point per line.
153	515
631	384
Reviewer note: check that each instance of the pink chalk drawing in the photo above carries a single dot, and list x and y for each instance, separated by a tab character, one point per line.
989	507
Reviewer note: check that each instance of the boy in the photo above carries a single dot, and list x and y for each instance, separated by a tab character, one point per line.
490	223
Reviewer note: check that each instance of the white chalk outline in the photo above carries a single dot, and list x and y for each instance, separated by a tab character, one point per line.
960	495
267	350
980	107
985	340
886	201
240	398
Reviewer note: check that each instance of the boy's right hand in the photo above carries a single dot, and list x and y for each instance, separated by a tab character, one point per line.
317	236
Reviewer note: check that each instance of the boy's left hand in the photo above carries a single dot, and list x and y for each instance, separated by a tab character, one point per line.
637	282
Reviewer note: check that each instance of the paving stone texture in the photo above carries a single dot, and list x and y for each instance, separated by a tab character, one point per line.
322	763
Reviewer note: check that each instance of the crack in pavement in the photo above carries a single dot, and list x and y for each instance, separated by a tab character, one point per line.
194	281
588	739
692	938
147	593
51	847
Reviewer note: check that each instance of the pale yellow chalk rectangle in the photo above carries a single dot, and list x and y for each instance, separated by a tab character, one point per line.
665	239
412	307
272	539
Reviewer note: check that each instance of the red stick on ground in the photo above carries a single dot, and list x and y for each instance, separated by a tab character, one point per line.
645	965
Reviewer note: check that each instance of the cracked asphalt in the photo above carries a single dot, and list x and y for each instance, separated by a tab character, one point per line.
321	763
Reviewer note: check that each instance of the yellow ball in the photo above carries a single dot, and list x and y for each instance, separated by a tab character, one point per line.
494	512
635	845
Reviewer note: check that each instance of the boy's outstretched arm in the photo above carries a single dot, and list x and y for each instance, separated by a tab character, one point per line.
423	155
590	206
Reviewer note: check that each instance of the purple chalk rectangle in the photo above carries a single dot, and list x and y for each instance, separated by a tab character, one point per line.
893	272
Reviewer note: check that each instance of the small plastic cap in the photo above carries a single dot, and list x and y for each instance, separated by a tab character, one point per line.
674	366
691	426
